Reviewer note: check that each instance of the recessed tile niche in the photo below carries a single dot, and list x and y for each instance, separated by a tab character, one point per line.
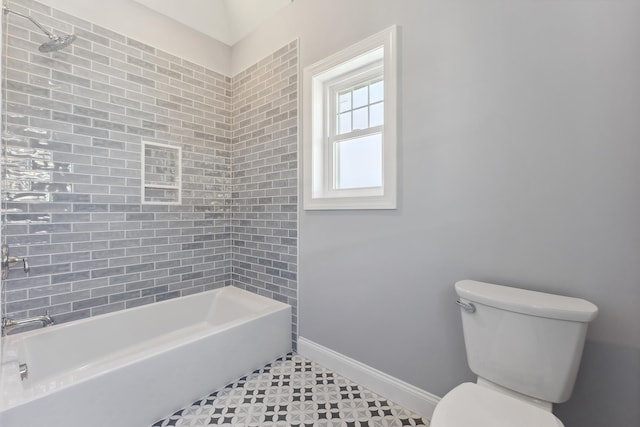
161	169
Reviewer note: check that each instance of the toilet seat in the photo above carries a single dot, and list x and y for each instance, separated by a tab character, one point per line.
470	404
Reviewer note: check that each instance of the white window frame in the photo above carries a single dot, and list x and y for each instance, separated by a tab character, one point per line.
319	82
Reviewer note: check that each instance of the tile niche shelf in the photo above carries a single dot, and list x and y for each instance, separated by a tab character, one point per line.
161	173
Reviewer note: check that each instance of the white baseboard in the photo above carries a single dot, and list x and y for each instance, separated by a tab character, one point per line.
411	397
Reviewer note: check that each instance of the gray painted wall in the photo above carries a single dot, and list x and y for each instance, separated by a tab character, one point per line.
518	164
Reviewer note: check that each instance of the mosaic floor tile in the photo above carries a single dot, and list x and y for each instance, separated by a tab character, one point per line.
293	392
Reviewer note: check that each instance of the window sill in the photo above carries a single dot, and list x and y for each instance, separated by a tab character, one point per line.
349	203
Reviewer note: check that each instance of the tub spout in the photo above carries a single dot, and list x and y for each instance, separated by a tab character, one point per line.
9	324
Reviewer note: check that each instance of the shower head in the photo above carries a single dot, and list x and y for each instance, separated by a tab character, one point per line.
55	41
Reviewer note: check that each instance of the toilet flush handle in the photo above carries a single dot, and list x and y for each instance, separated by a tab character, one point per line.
467	306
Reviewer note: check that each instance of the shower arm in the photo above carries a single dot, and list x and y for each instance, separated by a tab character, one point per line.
36	23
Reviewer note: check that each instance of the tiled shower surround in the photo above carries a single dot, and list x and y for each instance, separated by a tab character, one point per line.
75	123
264	147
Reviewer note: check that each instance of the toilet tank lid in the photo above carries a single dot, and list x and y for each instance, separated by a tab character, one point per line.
527	302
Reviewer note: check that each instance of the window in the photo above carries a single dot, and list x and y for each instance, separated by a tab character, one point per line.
355	131
161	173
350	127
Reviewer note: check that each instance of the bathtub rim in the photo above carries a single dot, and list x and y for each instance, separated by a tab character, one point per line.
227	288
9	369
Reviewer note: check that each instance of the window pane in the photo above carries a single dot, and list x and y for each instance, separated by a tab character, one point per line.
376	114
344	102
361	97
344	123
359	162
376	92
361	118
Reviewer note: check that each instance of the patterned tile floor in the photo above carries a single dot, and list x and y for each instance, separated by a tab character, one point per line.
293	392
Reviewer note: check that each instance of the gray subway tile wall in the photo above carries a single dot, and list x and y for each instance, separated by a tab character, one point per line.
74	124
264	147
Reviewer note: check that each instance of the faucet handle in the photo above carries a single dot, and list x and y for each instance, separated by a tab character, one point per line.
8	261
4	260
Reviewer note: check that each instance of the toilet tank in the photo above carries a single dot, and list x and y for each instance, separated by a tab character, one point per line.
530	342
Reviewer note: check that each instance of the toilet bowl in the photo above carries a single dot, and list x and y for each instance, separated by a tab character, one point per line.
525	347
472	405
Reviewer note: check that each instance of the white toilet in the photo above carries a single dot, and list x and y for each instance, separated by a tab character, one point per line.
525	347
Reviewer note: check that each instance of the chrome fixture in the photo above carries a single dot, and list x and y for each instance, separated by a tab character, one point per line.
8	324
24	371
55	41
468	307
7	261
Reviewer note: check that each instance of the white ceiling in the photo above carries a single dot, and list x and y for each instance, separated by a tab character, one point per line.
226	20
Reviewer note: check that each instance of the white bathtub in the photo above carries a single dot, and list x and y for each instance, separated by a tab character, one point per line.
134	367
